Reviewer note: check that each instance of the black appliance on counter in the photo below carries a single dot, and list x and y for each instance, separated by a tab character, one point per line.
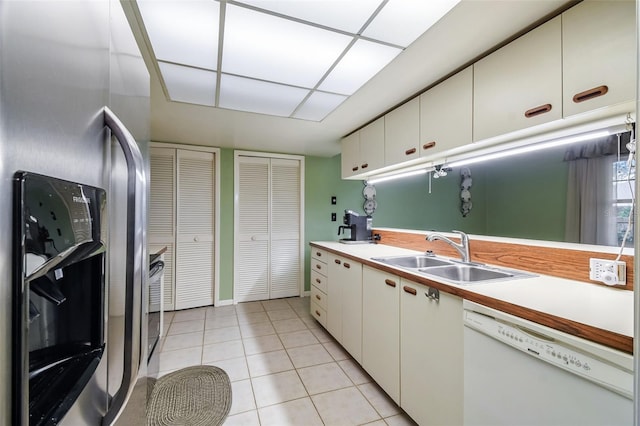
359	227
58	330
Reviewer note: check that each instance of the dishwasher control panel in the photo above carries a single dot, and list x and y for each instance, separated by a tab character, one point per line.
550	350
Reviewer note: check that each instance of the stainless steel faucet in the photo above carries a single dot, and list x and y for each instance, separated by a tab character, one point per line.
462	248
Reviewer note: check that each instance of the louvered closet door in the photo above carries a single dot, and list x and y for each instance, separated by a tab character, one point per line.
285	228
195	229
161	227
251	278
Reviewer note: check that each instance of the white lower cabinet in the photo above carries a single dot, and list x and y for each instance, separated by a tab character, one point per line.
431	355
381	329
344	303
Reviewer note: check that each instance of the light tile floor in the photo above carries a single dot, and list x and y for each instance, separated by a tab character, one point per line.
285	369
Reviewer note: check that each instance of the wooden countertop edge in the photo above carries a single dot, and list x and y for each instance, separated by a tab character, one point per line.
603	337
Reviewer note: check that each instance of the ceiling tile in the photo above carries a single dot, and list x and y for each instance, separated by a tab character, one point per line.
402	21
245	94
184	32
345	15
191	85
270	48
318	106
364	60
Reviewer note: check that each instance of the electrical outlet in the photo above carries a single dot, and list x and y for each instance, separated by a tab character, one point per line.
609	272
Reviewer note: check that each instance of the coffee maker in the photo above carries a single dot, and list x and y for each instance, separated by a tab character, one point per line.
360	227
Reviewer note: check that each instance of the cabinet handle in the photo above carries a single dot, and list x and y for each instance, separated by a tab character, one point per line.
390	283
318	280
537	110
410	290
590	94
410	151
317	313
337	261
364	166
318	266
346	265
429	145
318	297
318	254
354	169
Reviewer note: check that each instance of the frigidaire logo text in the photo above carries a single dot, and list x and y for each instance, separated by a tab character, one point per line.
83	200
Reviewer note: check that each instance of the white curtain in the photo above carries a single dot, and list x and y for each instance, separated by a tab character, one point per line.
591	215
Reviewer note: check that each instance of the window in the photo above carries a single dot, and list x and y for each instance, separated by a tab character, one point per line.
623	190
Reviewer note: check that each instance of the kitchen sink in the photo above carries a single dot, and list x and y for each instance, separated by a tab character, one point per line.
451	270
466	273
413	262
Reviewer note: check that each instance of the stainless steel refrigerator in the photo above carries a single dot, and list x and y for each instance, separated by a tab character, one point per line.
74	106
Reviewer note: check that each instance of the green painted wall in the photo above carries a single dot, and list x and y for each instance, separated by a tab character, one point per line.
407	203
226	224
526	196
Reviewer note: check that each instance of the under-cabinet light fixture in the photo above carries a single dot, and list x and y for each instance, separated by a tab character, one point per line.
531	148
398	176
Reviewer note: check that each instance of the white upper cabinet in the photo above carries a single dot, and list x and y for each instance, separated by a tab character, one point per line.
446	114
519	85
363	151
372	146
351	155
598	55
402	133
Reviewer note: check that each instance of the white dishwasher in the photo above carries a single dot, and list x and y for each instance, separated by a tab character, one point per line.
517	372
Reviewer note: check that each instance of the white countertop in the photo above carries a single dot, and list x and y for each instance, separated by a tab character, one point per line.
594	305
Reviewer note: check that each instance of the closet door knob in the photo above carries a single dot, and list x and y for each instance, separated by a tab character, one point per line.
196	239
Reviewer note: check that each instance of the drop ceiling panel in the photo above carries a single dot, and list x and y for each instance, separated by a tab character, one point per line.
259	96
345	15
191	85
318	106
184	32
364	60
415	17
270	48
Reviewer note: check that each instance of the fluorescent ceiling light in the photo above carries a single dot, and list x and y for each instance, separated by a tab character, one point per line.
191	85
318	106
398	176
245	94
345	15
364	60
415	17
531	148
266	47
297	46
184	32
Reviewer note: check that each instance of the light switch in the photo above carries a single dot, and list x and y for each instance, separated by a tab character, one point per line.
334	200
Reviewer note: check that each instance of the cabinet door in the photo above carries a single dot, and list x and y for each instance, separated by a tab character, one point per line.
519	85
352	308
195	229
372	146
350	155
334	297
431	335
446	114
598	55
402	133
381	329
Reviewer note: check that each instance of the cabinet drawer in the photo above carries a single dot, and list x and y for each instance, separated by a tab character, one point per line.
319	280
319	267
318	254
318	313
319	297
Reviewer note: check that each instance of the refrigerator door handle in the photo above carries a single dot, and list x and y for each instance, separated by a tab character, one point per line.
136	181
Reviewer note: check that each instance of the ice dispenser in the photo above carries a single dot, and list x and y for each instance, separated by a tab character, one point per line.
58	294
